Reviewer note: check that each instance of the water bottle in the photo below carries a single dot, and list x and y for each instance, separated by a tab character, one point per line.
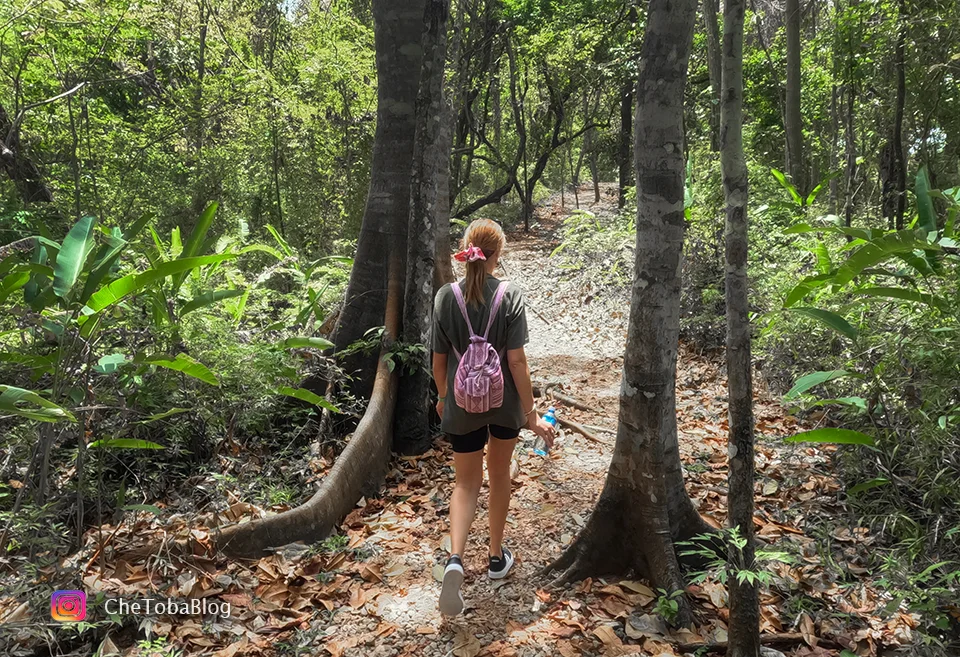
540	447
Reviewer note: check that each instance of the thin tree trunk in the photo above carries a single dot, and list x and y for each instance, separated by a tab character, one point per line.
443	273
793	120
712	30
644	507
19	167
900	167
834	141
851	150
413	419
398	31
744	602
626	141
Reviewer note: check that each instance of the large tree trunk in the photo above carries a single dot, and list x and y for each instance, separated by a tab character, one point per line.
644	507
793	121
398	30
443	273
626	139
712	30
413	421
359	469
22	171
744	603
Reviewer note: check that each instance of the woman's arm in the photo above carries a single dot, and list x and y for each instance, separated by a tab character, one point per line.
517	362
440	379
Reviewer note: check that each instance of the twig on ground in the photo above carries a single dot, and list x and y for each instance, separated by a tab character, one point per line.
765	639
582	431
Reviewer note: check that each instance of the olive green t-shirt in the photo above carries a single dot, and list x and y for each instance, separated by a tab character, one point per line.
509	331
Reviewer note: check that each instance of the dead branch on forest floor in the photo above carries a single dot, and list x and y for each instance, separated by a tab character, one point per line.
582	431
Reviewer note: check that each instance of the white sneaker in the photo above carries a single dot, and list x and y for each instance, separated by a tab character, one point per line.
451	599
500	566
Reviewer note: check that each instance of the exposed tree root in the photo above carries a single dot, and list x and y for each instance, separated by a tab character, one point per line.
363	463
579	428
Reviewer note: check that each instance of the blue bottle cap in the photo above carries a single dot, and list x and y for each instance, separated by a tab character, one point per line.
551	410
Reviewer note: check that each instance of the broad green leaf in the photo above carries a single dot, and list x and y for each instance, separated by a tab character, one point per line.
73	254
37	364
315	343
805	287
922	265
812	380
831	435
185	364
803	227
134	229
176	245
110	363
904	294
831	319
280	241
120	288
855	402
208	299
926	215
193	246
124	443
32	290
263	248
106	259
787	185
812	196
878	250
13	282
43	410
309	397
867	485
824	264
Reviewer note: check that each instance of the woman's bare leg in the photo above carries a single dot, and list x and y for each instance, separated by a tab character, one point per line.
499	454
463	503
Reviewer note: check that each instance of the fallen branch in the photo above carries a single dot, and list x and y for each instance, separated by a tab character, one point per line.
566	400
765	640
581	430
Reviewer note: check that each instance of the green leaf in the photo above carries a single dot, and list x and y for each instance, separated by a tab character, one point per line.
877	250
824	264
812	196
867	485
904	294
926	216
831	435
805	287
124	443
12	398
149	508
309	397
185	364
208	299
787	185
855	402
73	254
110	363
830	319
263	248
812	380
280	241
165	414
192	247
32	290
13	282
797	229
304	342
120	288
106	259
134	229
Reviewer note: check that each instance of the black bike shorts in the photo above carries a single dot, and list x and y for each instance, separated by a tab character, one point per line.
475	440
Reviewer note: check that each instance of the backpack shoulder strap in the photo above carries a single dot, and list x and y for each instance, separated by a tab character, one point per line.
455	286
495	306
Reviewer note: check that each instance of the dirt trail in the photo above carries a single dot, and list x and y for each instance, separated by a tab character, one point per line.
373	591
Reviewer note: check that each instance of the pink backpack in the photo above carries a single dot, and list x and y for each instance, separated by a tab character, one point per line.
478	384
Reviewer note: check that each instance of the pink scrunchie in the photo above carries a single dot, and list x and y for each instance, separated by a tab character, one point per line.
470	254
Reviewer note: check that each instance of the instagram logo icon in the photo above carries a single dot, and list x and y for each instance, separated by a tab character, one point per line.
68	606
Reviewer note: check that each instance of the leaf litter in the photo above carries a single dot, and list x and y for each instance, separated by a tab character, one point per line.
376	594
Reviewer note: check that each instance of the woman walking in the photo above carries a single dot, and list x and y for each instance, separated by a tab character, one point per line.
479	323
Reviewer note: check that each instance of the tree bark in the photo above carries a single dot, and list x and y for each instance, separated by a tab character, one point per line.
626	139
900	166
398	29
644	507
793	120
413	421
712	30
744	623
22	171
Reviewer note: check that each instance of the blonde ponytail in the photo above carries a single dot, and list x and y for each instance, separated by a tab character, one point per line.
488	236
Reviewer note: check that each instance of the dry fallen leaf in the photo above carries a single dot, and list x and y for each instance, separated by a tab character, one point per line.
358	597
808	631
606	634
465	644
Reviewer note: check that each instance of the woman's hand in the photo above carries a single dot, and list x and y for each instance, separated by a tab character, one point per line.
542	428
440	407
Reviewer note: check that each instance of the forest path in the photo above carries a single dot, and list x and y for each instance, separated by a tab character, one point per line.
577	335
